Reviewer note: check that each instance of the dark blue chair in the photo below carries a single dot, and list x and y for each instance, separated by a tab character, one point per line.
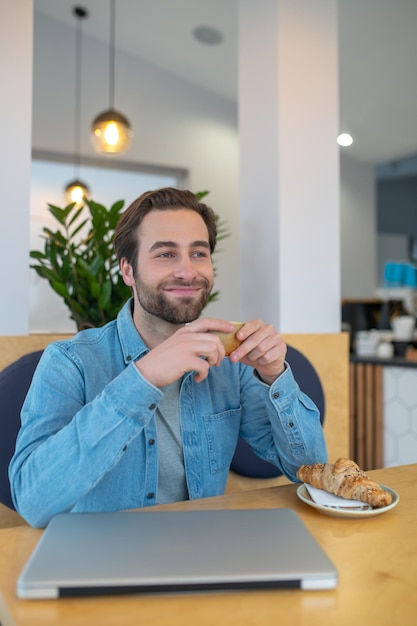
15	381
245	462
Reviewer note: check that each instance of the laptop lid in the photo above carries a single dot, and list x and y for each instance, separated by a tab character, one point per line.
169	551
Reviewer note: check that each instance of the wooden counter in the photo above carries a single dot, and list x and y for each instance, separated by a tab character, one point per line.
376	559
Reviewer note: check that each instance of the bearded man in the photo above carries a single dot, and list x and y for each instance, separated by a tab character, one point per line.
148	409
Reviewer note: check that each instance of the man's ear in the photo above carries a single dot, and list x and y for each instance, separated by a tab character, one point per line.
127	273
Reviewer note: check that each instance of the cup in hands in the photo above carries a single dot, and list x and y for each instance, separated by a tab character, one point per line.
229	340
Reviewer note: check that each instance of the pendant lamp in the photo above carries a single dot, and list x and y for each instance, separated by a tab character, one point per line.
111	131
76	190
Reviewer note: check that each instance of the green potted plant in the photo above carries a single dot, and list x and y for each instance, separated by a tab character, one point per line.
82	268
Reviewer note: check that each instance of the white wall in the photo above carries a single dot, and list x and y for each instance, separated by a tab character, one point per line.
290	214
15	109
358	229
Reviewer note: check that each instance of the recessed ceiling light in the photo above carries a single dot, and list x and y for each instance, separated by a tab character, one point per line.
345	140
208	35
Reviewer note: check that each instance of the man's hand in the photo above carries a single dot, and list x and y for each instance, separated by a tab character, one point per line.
190	348
262	348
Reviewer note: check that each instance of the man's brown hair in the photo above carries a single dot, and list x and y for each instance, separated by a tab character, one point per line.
126	238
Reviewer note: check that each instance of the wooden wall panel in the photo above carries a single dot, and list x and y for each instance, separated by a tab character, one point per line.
329	355
366	415
13	347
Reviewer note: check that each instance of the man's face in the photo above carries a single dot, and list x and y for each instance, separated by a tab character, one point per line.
174	273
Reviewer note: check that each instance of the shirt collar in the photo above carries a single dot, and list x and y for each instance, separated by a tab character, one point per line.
132	344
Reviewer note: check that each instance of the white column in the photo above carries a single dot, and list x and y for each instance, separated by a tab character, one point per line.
289	164
16	51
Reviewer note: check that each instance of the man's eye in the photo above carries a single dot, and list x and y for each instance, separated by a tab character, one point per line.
165	255
200	253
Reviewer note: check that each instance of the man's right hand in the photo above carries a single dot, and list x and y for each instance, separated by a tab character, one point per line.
191	348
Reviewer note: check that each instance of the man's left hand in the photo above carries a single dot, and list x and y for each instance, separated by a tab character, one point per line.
262	348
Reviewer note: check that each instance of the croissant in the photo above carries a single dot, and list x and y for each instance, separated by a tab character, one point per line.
345	479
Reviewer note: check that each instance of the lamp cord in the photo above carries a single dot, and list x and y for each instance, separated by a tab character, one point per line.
112	51
80	13
77	107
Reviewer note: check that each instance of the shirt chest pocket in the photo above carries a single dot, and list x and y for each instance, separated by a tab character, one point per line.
222	432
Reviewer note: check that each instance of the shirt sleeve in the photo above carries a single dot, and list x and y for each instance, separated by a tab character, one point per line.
283	427
67	442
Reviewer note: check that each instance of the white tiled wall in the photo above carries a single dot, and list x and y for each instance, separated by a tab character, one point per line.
400	415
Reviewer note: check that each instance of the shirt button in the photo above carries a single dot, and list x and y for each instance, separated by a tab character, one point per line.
152	407
128	358
124	448
275	395
151	442
150	495
290	424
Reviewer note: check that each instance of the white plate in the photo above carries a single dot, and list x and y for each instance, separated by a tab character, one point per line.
357	512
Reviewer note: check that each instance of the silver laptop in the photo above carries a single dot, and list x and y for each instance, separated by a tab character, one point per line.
174	551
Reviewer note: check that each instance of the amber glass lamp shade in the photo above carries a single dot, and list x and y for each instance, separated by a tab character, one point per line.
111	132
76	191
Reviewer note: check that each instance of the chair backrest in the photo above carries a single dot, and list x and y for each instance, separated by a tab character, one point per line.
321	366
247	463
19	355
15	380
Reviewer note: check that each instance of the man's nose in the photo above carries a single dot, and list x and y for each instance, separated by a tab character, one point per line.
185	268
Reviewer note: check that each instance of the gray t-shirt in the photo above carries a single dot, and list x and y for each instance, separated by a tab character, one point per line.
172	486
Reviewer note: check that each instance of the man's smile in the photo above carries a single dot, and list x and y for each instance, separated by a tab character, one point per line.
183	290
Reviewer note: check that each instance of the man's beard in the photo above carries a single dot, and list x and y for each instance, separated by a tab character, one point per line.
155	302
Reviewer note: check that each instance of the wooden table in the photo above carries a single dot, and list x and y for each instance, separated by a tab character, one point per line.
376	559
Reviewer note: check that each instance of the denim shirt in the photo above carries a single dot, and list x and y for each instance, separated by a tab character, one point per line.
88	438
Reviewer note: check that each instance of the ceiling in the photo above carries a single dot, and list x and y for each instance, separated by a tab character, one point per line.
377	58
